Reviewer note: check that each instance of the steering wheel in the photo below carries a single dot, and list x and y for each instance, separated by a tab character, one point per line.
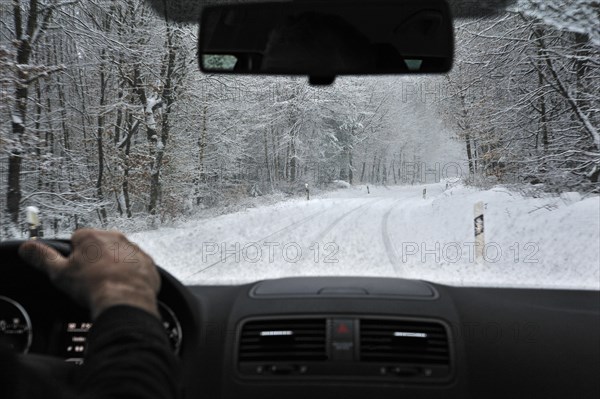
48	329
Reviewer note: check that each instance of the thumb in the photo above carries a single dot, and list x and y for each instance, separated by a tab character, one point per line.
43	257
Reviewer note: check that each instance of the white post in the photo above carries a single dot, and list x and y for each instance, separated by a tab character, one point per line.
33	222
479	232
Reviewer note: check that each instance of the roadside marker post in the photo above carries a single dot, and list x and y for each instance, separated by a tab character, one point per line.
33	222
307	192
479	230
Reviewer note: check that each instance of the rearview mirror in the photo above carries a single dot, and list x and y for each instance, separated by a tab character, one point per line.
326	39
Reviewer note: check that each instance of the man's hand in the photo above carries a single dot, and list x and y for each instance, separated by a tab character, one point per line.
104	269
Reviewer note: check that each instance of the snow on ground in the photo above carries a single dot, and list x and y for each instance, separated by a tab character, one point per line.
551	242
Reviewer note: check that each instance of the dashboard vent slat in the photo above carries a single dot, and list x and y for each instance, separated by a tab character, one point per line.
399	341
283	340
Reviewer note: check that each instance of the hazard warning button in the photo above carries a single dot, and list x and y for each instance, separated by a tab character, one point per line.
342	339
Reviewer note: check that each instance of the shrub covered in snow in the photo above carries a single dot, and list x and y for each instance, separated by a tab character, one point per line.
340	184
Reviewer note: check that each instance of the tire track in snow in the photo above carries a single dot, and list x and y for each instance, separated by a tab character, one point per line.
387	242
262	240
337	221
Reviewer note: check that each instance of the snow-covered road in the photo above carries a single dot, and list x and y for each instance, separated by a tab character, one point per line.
394	232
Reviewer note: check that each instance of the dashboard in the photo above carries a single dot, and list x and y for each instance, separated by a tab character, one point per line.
66	336
346	336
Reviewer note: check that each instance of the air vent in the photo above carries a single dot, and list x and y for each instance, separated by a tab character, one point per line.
404	342
283	340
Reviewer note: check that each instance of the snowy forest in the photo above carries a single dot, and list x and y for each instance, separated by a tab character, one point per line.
105	117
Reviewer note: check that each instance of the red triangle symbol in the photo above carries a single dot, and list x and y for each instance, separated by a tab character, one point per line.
343	329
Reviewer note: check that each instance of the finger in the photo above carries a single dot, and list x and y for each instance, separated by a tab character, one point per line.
82	235
43	257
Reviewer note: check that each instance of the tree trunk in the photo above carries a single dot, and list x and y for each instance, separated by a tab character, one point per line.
293	162
19	117
201	177
267	163
362	173
168	94
543	112
350	167
99	137
469	154
125	184
287	162
372	180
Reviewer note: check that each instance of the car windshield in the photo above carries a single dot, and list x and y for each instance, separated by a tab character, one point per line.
485	176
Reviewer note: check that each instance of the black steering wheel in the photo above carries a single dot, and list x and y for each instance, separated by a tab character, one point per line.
48	329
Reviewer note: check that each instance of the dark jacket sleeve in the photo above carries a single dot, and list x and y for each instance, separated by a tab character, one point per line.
128	356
